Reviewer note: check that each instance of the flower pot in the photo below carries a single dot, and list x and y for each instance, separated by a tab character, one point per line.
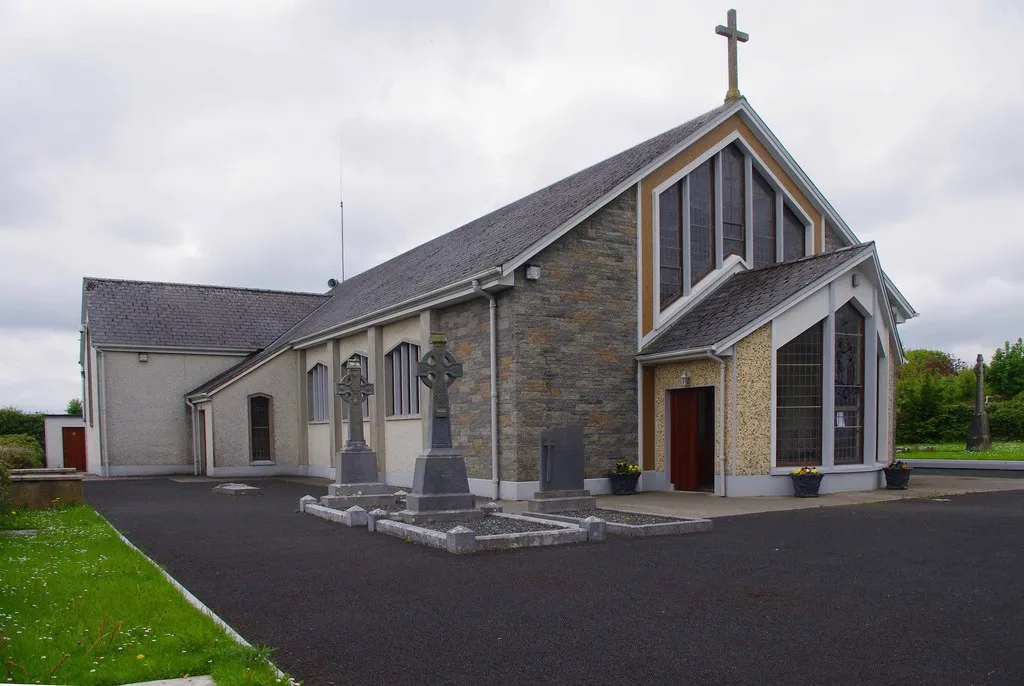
897	479
806	485
623	484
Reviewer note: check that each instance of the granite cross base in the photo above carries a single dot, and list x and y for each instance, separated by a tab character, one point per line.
440	489
979	436
374	498
554	501
357	483
356	465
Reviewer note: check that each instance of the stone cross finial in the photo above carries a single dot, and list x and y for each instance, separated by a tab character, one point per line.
438	370
734	36
353	389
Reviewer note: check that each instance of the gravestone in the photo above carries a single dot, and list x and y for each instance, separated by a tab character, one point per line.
356	482
440	489
561	472
979	437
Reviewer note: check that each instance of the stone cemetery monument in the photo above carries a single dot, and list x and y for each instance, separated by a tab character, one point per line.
561	472
979	437
356	481
440	489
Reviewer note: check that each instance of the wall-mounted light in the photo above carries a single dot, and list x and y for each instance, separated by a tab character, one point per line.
532	272
684	379
143	357
856	279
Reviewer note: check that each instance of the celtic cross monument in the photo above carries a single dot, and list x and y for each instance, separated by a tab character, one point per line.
979	437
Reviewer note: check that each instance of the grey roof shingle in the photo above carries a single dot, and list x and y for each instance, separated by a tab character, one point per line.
745	297
147	313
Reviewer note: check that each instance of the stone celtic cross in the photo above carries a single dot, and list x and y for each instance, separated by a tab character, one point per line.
353	390
735	36
438	370
979	385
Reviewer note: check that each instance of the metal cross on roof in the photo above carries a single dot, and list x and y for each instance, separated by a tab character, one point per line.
734	36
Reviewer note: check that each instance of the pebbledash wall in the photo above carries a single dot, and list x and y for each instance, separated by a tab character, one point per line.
147	426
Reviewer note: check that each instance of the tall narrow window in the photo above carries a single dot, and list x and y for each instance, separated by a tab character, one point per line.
317	393
734	213
849	434
798	400
260	428
764	222
403	397
702	221
670	245
364	368
794	245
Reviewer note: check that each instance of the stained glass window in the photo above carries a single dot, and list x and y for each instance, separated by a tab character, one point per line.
764	222
849	419
670	229
793	229
798	400
702	221
734	233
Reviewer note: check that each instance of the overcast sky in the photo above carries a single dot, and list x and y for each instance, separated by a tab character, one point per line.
199	141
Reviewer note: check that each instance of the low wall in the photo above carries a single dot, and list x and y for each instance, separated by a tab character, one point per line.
40	488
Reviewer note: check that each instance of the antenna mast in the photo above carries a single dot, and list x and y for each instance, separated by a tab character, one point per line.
341	200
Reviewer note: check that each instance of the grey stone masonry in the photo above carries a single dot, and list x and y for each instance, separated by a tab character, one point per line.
832	240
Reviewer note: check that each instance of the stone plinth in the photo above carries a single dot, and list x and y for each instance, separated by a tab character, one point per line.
979	437
440	490
556	501
357	484
357	464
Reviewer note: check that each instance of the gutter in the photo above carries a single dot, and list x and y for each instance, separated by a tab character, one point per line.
493	330
691	354
721	417
102	374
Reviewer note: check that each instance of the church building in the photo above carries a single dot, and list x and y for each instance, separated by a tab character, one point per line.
694	303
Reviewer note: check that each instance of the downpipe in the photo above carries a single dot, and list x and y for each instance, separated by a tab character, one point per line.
721	419
104	457
195	444
493	308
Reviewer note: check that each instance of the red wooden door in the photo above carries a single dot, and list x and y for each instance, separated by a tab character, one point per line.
683	444
73	438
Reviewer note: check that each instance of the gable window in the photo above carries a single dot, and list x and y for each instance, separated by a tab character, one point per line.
402	386
260	428
793	231
798	400
670	228
702	221
317	393
849	410
734	230
364	369
764	221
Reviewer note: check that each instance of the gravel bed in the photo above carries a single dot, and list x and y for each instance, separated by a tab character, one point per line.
489	526
620	517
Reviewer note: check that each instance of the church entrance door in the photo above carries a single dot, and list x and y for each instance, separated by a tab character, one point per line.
692	439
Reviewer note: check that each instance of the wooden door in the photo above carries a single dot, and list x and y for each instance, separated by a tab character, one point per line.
202	441
73	440
691	436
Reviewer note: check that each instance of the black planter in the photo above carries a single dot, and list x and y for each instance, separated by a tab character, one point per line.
623	484
897	479
806	485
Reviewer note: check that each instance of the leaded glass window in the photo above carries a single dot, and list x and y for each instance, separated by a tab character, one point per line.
793	229
798	400
764	222
734	213
702	221
670	246
849	419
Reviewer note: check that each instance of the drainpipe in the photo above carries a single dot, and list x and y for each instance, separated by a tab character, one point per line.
104	457
195	451
493	307
721	418
732	401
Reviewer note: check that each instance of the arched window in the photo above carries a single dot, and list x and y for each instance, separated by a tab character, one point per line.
849	415
402	386
317	393
798	400
261	428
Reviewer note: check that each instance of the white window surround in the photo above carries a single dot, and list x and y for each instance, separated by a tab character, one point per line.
751	161
874	442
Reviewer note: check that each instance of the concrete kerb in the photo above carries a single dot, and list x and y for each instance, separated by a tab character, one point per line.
194	601
682	526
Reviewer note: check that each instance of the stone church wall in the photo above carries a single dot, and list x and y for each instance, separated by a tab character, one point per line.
574	333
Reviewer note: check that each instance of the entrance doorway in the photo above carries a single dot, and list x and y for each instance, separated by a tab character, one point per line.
73	441
691	439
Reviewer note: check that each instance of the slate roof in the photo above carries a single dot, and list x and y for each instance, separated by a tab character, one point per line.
745	297
147	313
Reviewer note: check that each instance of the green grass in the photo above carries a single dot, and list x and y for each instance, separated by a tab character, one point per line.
78	606
1003	450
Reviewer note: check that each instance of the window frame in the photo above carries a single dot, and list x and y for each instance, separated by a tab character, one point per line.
318	400
777	381
271	453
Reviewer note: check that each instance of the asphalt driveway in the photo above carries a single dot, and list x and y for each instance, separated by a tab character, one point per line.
913	592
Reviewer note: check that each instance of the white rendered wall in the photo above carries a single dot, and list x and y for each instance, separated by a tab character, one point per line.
404	441
53	435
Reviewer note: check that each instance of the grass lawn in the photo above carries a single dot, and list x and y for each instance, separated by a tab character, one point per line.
1003	450
78	606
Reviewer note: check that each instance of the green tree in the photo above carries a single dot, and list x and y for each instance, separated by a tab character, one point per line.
14	421
1005	374
74	407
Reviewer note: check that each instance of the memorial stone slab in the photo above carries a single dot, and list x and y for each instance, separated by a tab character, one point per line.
561	472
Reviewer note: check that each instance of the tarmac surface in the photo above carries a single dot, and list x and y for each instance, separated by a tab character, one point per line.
911	591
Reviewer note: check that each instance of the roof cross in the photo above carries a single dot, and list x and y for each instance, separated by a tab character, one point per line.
734	36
